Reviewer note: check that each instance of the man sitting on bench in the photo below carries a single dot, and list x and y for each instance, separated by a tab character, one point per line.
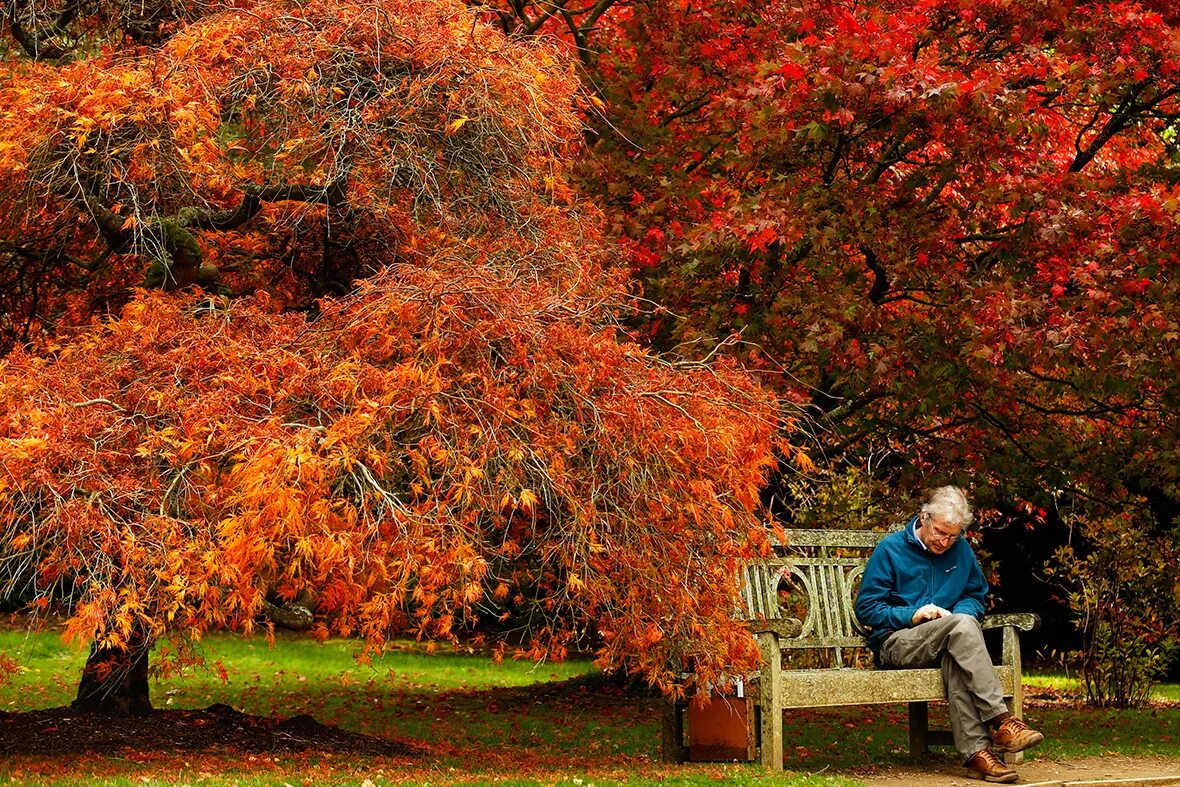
922	595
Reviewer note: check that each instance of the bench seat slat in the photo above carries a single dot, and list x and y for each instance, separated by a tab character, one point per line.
816	641
820	688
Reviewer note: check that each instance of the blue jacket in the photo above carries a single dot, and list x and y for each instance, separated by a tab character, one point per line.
901	576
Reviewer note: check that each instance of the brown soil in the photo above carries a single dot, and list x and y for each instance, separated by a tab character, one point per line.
62	731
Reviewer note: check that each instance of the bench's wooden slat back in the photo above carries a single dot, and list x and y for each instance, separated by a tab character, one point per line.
816	565
760	590
831	539
761	601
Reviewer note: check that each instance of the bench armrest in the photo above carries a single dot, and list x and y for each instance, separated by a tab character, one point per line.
784	627
1025	621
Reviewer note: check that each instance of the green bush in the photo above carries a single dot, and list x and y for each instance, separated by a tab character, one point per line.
1123	589
1120	670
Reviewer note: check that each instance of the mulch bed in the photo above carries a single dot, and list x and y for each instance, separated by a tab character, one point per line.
58	731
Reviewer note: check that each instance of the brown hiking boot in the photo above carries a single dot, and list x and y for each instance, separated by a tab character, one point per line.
1014	735
984	764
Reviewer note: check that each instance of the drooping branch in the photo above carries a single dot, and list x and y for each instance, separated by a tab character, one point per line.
880	276
999	234
837	155
185	262
1125	116
777	265
595	13
177	256
515	18
690	108
556	7
333	194
50	256
894	153
80	189
35	43
147	22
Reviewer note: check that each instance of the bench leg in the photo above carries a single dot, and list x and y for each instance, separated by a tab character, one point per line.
919	727
751	731
1011	657
771	699
672	732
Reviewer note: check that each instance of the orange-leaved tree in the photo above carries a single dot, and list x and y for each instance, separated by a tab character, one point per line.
460	441
264	147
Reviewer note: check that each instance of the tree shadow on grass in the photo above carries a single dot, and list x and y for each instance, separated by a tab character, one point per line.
64	731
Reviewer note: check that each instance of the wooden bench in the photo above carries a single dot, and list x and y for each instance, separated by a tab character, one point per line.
827	663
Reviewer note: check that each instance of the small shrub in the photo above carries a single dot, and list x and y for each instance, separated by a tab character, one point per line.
1120	670
1122	587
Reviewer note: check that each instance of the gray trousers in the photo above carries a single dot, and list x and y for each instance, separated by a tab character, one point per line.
973	692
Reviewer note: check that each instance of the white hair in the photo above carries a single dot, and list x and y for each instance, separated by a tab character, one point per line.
949	504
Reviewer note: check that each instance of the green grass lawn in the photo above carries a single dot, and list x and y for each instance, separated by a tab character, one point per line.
1072	685
485	723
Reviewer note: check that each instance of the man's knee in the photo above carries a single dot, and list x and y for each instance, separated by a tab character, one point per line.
966	628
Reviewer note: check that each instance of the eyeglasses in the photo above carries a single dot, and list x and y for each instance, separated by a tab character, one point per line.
938	533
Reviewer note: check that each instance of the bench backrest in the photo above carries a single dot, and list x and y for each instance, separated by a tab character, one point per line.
812	578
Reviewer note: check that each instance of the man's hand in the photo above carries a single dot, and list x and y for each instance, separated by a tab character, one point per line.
929	612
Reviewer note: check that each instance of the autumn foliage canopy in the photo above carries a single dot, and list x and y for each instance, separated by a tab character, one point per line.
461	441
399	391
952	229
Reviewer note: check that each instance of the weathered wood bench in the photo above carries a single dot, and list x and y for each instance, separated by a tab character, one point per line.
814	578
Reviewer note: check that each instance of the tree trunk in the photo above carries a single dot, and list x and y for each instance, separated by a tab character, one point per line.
114	681
294	615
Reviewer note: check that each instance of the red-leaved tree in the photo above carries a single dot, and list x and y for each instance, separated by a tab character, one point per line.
949	229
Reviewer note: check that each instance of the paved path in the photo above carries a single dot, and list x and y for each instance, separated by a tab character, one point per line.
1087	772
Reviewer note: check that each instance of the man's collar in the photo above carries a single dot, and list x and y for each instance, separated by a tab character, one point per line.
914	529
